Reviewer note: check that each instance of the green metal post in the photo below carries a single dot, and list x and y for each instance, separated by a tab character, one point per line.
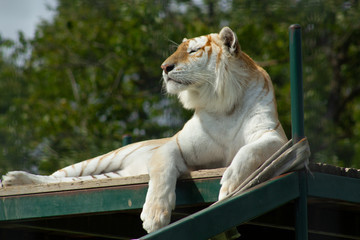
297	123
126	139
297	109
301	216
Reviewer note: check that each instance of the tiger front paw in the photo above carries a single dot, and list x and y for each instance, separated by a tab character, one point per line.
230	181
156	212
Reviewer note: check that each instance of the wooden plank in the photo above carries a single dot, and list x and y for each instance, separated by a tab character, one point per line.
98	183
334	170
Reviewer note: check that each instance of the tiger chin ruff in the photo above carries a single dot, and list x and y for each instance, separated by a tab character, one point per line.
235	125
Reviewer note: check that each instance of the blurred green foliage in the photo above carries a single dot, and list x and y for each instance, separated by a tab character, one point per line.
92	74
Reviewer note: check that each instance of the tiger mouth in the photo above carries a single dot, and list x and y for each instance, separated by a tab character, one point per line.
174	80
179	82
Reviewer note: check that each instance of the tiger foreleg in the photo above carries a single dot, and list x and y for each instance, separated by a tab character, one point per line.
247	160
165	167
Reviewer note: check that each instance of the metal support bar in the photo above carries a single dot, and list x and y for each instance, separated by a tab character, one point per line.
297	123
301	211
297	109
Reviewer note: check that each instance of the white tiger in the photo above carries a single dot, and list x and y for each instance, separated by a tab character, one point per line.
235	125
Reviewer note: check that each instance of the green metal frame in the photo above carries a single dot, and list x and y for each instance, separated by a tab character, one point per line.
201	225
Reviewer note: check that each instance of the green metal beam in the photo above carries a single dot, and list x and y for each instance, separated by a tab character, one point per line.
232	212
71	202
100	200
323	185
202	225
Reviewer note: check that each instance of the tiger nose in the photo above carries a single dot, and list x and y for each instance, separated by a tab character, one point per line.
168	67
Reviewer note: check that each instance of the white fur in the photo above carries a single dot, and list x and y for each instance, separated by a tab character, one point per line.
235	125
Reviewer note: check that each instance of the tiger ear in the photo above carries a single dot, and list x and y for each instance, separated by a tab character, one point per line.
230	41
184	40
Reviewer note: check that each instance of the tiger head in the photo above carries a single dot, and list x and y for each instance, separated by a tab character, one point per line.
208	71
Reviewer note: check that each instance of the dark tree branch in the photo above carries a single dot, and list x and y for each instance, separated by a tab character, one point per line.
355	92
339	56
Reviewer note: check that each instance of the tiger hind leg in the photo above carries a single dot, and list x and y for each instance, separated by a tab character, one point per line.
130	160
